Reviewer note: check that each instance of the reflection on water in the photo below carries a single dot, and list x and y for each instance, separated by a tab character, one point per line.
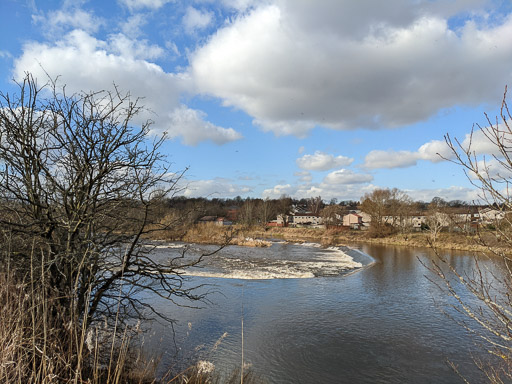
382	324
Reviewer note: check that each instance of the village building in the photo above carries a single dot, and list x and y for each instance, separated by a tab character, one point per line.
353	220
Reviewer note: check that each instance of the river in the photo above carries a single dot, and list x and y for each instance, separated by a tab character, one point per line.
321	316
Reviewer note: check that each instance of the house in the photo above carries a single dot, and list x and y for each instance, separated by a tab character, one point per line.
305	219
207	219
418	222
223	221
491	215
353	220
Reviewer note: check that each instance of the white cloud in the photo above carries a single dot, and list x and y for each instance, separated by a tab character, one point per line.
279	190
438	150
195	20
132	26
241	5
134	49
345	176
56	22
85	63
328	192
480	144
296	64
389	159
321	161
493	169
191	126
431	151
214	188
304	177
435	151
356	191
139	4
451	193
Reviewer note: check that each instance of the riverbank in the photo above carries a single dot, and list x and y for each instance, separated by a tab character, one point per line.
258	236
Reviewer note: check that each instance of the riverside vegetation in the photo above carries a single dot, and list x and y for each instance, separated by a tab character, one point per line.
259	236
80	188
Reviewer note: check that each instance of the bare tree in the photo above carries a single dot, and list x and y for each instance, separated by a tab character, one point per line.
333	215
437	218
489	314
284	207
377	204
266	211
401	207
78	189
315	205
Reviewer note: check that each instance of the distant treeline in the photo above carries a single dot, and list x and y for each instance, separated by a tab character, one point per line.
257	210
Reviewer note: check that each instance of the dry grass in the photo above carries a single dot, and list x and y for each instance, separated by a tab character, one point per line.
211	233
334	236
34	348
201	374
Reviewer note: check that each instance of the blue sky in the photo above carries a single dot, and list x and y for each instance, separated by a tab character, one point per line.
260	98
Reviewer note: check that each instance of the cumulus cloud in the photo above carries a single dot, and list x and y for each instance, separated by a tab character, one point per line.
346	176
85	63
356	191
191	125
389	159
491	169
451	193
431	151
483	141
435	151
477	142
297	64
195	19
214	188
279	190
125	47
321	161
341	184
328	192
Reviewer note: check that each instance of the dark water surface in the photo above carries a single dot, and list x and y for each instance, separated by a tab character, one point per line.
382	324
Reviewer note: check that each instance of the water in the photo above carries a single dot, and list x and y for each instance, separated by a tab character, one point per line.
380	323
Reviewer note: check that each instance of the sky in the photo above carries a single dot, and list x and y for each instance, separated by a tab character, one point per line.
260	98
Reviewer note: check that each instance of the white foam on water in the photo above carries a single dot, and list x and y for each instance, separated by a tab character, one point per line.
330	261
246	274
167	246
315	245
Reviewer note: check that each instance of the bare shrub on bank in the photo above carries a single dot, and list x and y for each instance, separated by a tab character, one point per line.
488	309
80	187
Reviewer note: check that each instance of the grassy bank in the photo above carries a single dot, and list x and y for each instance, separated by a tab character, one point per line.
258	236
214	234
